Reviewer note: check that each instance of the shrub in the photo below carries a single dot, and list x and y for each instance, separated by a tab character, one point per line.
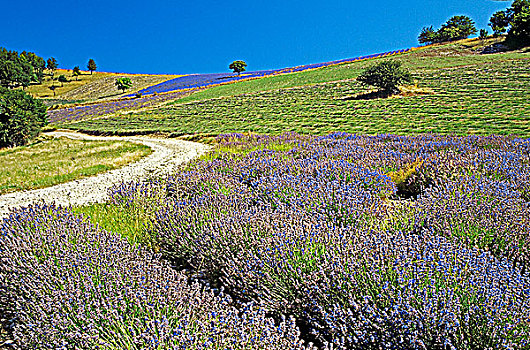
387	76
21	117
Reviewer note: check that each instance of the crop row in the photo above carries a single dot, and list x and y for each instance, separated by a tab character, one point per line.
480	99
99	109
369	242
194	81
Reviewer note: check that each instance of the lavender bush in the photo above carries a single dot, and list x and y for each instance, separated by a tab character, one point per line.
74	286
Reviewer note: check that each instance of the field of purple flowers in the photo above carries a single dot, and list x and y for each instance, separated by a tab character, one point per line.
195	81
99	109
337	242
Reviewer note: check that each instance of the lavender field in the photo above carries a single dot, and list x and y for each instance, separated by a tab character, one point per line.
290	242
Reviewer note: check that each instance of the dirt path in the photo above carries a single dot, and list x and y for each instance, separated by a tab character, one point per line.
167	155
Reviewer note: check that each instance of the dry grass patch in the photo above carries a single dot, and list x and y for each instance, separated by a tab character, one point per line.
56	160
91	86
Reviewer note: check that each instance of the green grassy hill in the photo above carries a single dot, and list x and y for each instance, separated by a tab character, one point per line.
468	93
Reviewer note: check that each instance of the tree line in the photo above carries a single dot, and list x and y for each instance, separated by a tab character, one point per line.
26	68
515	21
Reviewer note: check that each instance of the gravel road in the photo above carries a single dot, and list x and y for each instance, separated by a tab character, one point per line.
167	155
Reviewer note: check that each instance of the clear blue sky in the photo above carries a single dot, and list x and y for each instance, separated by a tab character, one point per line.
199	36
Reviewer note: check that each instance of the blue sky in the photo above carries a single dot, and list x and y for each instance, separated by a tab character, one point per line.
205	36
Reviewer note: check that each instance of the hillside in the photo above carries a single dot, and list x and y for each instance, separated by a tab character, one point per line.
89	87
460	91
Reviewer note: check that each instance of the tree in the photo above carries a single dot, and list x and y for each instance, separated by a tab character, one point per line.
238	66
15	70
21	117
52	66
499	22
91	65
76	72
62	79
123	83
483	34
387	76
456	28
38	64
515	20
428	35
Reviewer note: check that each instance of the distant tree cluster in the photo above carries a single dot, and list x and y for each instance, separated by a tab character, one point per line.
20	69
456	28
516	21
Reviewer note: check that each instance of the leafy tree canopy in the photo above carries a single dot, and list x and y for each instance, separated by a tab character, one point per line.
456	28
515	20
21	117
387	76
123	83
91	65
238	66
18	70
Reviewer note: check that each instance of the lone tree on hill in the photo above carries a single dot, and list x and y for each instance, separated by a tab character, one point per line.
76	72
238	66
517	19
52	66
456	28
91	65
21	117
387	76
123	83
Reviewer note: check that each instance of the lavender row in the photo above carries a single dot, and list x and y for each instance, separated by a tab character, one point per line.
204	80
318	230
99	109
71	285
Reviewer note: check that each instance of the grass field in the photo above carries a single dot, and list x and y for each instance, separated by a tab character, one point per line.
473	94
58	160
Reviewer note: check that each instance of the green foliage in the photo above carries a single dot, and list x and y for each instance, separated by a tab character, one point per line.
17	70
456	28
91	65
499	22
76	72
238	66
52	66
21	117
387	76
515	19
37	63
428	35
483	34
62	79
123	83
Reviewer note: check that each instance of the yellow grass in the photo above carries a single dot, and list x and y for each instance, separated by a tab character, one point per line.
56	160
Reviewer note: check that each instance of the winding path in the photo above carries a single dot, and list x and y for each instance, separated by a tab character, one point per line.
167	155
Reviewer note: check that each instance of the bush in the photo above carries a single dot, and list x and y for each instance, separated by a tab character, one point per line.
21	117
387	76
